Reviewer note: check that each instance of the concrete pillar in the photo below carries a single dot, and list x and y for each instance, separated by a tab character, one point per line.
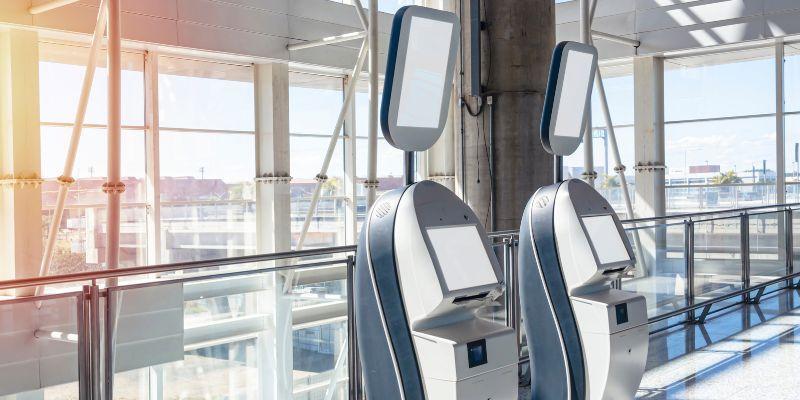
20	166
273	226
516	50
648	81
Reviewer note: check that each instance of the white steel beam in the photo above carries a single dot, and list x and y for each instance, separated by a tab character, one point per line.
50	5
322	177
780	124
589	175
616	38
327	40
66	179
113	187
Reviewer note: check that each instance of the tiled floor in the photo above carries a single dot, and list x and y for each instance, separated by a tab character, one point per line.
746	352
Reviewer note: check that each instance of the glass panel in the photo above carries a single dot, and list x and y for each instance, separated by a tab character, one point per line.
713	86
207	195
660	273
38	368
767	251
792	128
81	238
61	70
739	172
791	79
222	337
718	258
205	95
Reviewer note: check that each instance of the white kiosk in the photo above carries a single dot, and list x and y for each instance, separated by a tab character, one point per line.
586	339
424	266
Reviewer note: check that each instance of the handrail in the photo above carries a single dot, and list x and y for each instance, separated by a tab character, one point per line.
173	267
777	207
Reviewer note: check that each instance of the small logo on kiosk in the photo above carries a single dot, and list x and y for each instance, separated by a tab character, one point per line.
542	202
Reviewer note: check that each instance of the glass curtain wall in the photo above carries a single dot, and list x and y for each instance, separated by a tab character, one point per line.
720	131
207	159
81	237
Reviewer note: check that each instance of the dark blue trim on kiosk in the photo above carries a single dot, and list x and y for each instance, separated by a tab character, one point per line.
388	78
379	302
549	319
550	95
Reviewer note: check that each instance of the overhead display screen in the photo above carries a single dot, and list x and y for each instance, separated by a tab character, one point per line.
575	84
606	239
462	256
424	73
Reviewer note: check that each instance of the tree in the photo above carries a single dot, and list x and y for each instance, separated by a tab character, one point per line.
611	181
726	178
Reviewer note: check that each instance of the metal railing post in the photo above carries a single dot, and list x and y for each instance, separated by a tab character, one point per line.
744	231
688	251
353	365
94	341
515	312
508	280
789	238
111	315
84	356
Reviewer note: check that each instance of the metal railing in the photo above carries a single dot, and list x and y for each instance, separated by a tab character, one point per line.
709	243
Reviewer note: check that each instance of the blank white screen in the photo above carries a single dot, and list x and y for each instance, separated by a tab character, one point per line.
606	239
424	73
572	101
462	257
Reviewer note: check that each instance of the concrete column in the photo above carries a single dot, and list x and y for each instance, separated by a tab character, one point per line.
516	50
20	166
273	226
648	77
272	157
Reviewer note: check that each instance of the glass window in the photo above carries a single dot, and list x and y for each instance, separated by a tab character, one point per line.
714	86
728	159
314	105
81	237
207	160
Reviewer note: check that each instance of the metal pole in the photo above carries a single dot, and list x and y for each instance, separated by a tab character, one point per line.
52	5
616	38
327	40
94	338
353	367
588	149
84	358
372	152
688	251
111	319
409	164
65	180
789	238
509	282
322	176
744	231
113	187
780	129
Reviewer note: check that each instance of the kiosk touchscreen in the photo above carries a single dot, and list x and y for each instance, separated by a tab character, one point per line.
586	339
424	266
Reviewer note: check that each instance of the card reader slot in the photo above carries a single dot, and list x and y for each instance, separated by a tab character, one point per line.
614	270
463	299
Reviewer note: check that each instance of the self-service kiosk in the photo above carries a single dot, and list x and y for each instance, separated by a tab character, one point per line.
586	340
424	265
